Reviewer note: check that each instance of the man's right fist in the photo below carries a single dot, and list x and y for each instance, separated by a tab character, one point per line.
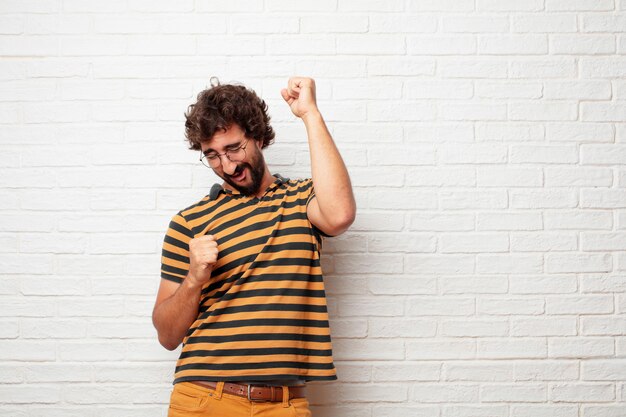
202	257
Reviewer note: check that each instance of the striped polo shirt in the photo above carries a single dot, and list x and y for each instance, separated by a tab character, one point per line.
263	314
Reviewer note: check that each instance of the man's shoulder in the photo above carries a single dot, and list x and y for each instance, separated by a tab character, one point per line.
199	206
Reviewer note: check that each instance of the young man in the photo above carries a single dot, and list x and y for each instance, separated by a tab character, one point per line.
241	284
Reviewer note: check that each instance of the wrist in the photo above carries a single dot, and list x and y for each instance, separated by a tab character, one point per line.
311	116
191	282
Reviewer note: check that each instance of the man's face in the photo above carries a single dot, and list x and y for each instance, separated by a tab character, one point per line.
245	176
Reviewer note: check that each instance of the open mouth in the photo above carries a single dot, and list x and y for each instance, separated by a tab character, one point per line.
239	175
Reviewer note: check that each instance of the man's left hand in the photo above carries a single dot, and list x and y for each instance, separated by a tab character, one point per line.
300	95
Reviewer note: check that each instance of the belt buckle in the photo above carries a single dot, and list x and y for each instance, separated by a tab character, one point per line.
255	400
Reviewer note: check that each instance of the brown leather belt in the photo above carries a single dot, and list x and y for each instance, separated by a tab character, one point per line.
256	392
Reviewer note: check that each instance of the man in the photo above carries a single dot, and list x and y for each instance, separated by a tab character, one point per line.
241	283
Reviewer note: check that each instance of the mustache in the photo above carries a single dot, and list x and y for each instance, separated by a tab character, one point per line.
237	171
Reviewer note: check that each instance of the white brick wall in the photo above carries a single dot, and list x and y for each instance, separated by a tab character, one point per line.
485	274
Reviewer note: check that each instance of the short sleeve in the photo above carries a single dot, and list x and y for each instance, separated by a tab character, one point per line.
309	192
175	253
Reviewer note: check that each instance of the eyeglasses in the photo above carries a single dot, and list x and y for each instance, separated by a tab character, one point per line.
214	160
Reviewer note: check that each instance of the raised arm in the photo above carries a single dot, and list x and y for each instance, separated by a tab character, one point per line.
333	209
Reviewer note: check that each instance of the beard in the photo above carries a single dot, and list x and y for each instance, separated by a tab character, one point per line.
256	170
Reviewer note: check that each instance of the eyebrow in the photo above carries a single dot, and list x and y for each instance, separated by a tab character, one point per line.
227	147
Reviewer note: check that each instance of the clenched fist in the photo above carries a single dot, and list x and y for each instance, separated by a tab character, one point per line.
202	257
300	96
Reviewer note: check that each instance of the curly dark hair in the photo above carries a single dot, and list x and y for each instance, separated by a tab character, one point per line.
222	105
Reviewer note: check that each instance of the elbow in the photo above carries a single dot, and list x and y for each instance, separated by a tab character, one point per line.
341	223
168	344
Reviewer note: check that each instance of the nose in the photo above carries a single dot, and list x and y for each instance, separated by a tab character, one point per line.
229	167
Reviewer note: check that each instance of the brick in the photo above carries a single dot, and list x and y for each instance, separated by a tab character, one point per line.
421	371
518	90
508	221
549	198
474	328
9	329
465	284
603	154
602	283
577	392
442	6
509	177
398	65
578	177
449	393
512	348
52	285
602	112
313	45
395	200
477	154
57	24
576	90
536	410
533	242
405	155
354	349
236	6
474	410
33	394
603	241
602	67
329	23
507	306
582	262
465	67
546	370
52	329
543	284
418	90
602	22
473	111
602	326
526	44
474	24
452	348
394	328
480	371
578	220
440	177
543	23
401	243
603	198
579	132
513	392
473	200
348	44
94	6
540	326
582	44
400	285
21	350
549	67
579	5
26	264
473	243
404	23
440	264
359	307
448	306
396	111
545	111
509	263
441	45
603	370
90	351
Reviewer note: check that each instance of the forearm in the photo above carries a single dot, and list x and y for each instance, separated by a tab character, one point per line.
173	317
333	189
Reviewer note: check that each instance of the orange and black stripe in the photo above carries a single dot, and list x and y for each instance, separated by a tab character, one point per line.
263	315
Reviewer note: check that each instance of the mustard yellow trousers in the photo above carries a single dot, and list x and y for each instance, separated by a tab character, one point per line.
192	400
